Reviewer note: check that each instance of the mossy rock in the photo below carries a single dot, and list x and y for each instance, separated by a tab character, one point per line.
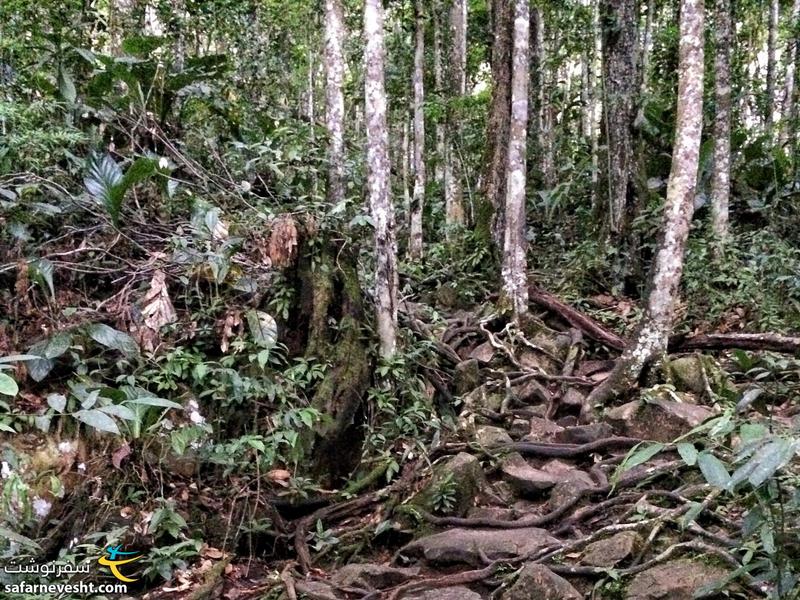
689	374
461	478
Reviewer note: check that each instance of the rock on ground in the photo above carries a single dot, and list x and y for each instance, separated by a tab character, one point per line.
658	419
372	576
537	582
465	477
612	551
467	545
673	580
448	593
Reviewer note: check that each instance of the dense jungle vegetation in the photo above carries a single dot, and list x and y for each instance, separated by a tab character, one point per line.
421	299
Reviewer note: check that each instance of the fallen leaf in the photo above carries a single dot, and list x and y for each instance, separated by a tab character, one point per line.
120	454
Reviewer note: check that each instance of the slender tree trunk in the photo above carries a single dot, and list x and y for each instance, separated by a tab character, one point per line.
597	102
334	99
405	167
545	116
515	280
438	83
453	185
653	331
618	20
418	200
789	104
378	178
721	177
497	127
772	59
647	47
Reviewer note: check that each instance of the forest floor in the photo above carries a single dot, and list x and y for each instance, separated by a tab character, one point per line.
528	499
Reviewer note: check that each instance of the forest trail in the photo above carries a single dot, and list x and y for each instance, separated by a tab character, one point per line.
528	501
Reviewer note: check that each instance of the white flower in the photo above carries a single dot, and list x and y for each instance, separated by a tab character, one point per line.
5	470
65	447
163	163
41	507
82	468
196	417
245	185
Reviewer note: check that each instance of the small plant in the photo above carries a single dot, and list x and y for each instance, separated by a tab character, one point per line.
444	496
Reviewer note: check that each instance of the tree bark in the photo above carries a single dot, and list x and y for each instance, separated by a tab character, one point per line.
490	219
653	331
515	282
418	199
789	104
544	114
772	59
378	179
438	83
721	177
453	185
618	24
334	99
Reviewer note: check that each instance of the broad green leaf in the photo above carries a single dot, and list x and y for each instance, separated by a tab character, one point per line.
767	539
20	539
688	453
66	86
752	432
57	402
152	401
101	182
112	338
713	470
42	270
18	358
642	455
141	169
769	459
695	509
123	412
8	386
97	419
263	328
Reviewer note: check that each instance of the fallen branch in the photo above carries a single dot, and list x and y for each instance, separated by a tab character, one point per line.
772	342
577	319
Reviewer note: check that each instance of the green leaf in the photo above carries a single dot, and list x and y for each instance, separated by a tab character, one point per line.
112	338
691	514
263	328
141	169
713	470
42	270
18	358
97	419
152	401
769	459
767	539
117	410
8	386
688	453
101	183
637	457
141	45
58	402
66	86
20	539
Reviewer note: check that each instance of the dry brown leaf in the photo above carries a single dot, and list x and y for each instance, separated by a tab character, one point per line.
213	553
283	242
157	311
233	321
127	512
279	475
120	454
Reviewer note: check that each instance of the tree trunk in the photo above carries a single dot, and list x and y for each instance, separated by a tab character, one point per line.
490	218
418	200
515	282
647	47
792	50
378	179
772	59
653	331
438	83
721	177
334	99
544	118
453	185
618	21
